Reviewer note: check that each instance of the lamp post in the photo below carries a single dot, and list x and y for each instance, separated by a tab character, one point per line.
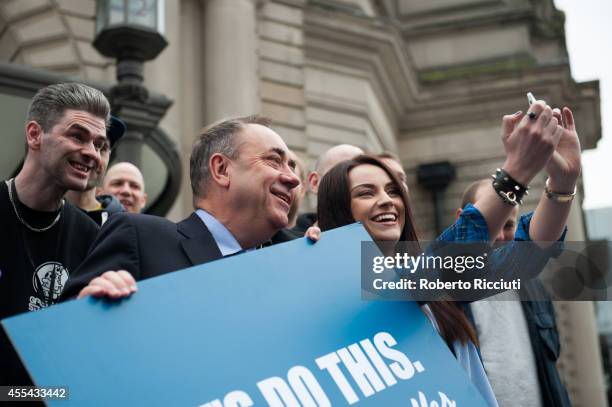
435	177
131	31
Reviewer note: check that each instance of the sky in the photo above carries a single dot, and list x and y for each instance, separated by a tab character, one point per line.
588	31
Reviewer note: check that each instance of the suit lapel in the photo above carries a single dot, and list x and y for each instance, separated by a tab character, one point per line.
199	245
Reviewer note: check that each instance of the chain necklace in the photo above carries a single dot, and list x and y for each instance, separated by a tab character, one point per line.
11	186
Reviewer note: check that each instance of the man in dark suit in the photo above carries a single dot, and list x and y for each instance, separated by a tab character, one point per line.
243	185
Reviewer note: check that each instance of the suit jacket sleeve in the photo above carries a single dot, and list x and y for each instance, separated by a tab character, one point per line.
116	248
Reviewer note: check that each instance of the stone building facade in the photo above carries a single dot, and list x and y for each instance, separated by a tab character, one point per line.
427	79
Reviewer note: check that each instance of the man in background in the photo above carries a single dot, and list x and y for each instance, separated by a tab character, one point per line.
519	341
125	182
325	162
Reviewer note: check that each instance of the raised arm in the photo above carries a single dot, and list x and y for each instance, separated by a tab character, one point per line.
563	168
529	141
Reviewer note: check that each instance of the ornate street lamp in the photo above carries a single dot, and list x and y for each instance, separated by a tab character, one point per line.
131	31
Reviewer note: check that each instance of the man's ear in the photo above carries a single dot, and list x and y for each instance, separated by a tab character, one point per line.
313	182
145	196
458	213
219	166
34	134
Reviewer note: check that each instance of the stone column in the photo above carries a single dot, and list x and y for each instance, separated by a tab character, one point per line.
230	59
580	362
164	75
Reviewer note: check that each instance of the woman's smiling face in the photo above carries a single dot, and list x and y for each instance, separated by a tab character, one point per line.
376	201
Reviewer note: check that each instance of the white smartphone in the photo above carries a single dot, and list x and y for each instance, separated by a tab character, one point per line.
530	98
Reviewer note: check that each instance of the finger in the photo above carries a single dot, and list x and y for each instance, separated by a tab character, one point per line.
557	133
313	233
108	288
568	121
107	285
118	282
509	121
534	110
95	291
557	114
545	117
538	106
552	125
128	279
549	134
99	291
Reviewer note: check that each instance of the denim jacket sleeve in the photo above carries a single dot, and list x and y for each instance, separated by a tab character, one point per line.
522	230
509	261
471	226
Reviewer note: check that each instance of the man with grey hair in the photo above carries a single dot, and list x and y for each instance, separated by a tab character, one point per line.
243	185
44	239
326	161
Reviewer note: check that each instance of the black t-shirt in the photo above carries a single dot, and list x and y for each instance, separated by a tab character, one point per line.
109	205
34	266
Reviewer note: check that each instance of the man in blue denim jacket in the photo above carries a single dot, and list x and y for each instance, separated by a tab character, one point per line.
507	327
531	323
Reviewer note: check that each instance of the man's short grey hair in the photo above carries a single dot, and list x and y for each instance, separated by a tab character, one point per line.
49	104
220	137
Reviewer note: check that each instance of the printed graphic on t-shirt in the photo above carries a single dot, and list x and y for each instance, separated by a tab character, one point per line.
48	281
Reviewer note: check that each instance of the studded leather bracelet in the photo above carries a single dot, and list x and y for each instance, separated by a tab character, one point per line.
508	189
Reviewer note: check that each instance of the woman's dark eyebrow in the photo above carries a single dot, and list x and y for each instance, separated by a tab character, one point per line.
390	184
363	185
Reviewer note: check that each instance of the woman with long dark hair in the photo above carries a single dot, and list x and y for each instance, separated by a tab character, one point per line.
364	189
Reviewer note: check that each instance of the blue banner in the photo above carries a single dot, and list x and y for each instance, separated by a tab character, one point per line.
284	325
